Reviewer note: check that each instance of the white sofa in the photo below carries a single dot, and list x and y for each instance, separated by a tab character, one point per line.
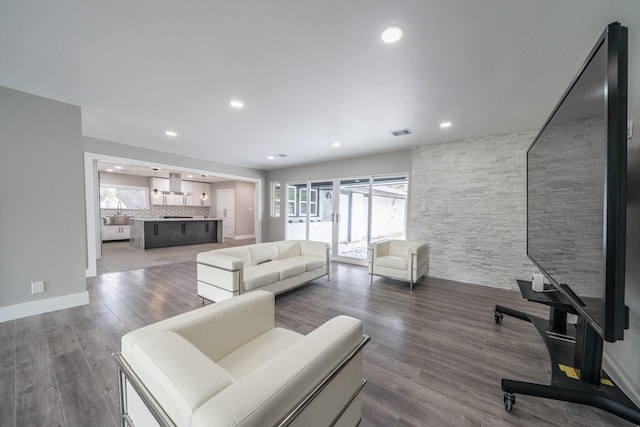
227	364
274	266
399	259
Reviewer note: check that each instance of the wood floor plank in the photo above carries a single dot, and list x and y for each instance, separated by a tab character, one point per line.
97	352
83	402
37	398
436	356
8	398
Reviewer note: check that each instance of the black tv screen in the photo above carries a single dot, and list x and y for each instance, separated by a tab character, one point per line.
576	189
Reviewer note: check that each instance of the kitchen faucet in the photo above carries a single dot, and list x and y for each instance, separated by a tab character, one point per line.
118	213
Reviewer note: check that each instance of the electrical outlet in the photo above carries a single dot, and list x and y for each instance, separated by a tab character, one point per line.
37	287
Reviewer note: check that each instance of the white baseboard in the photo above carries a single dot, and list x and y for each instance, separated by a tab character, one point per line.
626	384
18	311
244	236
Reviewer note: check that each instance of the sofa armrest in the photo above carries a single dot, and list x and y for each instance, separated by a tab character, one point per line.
313	248
419	248
222	261
380	248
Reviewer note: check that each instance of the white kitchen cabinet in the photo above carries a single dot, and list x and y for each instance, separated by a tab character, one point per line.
115	232
206	188
197	189
202	187
194	188
160	184
187	187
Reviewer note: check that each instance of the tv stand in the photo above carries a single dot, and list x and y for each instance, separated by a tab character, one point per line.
576	360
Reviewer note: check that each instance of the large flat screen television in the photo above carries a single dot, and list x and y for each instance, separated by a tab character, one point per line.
576	189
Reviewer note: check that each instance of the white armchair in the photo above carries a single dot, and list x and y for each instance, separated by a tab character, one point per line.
228	365
398	259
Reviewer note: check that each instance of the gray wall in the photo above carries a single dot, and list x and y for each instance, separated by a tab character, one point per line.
468	201
245	205
379	164
124	179
245	208
42	221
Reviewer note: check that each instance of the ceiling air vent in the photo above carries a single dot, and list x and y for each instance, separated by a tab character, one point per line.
401	132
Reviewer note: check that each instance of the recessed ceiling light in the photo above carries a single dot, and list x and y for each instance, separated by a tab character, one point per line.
109	170
189	176
271	157
392	34
336	144
118	167
236	103
170	133
445	124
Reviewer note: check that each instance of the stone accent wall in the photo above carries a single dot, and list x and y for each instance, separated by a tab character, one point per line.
468	201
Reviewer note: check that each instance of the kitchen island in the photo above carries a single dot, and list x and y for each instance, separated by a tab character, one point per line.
147	233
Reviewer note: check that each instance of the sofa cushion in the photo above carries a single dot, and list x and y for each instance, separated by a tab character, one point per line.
173	368
290	267
392	262
263	252
400	247
288	248
263	396
313	262
254	353
260	275
241	252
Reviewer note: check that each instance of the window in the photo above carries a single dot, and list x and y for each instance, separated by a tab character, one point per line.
123	197
275	199
291	200
313	203
302	206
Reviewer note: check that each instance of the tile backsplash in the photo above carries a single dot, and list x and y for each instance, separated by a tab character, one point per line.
157	211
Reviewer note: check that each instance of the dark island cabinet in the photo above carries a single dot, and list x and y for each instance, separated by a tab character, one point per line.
206	231
157	234
150	234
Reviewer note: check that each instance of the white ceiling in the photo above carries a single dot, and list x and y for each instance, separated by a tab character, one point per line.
310	72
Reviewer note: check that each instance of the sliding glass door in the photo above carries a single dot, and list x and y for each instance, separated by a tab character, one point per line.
321	215
310	213
353	219
348	213
388	208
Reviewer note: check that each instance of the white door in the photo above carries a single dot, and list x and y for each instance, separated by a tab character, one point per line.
225	209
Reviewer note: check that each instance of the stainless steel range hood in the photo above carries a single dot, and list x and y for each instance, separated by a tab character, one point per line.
175	185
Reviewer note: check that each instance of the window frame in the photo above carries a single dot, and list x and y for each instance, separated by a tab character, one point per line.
276	199
145	190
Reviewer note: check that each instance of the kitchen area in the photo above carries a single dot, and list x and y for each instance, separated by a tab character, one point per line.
152	217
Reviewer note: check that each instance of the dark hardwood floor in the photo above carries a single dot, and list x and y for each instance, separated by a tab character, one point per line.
435	358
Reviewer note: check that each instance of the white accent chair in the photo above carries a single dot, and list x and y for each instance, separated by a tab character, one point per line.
228	365
398	259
